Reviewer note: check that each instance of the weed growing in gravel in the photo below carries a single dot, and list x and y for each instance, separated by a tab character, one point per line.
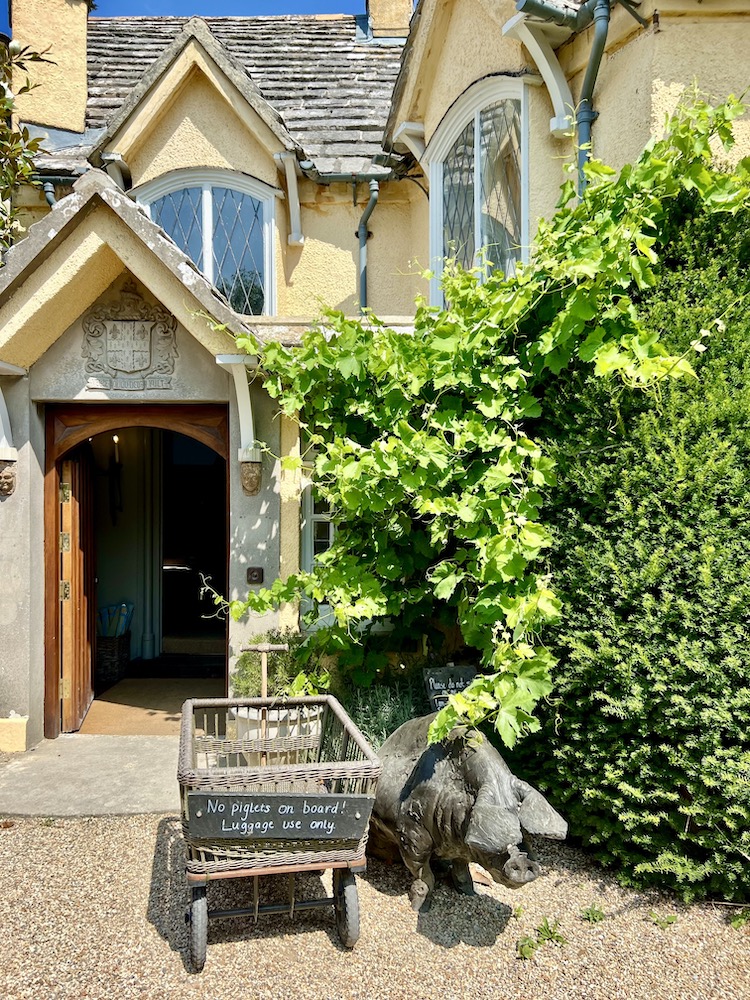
593	914
740	919
517	912
526	946
662	922
546	931
48	821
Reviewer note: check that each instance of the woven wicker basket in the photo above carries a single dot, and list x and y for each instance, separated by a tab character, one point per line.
112	659
318	749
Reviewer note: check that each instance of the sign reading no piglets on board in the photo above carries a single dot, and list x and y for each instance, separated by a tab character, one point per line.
274	816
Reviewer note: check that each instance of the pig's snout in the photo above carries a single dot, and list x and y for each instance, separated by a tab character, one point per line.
519	869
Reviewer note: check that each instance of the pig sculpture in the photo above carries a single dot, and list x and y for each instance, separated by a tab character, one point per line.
455	802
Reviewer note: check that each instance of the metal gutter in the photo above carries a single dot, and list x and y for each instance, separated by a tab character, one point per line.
49	182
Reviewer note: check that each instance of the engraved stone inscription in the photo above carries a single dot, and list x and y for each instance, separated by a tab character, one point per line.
129	345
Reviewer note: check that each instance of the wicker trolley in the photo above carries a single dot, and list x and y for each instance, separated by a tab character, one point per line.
273	787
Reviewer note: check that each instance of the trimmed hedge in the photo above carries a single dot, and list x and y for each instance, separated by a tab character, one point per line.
645	746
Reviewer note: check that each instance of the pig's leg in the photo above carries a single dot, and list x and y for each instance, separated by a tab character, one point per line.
416	847
461	878
421	889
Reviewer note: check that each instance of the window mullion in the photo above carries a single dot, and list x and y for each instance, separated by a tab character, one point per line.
207	225
477	185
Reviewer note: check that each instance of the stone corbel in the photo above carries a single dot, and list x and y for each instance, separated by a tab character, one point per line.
8	454
289	162
531	35
249	455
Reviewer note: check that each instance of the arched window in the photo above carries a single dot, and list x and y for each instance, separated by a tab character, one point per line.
224	223
478	162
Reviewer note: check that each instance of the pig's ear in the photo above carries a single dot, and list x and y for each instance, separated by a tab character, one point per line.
536	814
491	827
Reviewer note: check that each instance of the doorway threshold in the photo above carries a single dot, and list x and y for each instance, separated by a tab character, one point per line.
146	706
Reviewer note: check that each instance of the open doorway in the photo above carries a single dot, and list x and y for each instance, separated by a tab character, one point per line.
160	524
133	632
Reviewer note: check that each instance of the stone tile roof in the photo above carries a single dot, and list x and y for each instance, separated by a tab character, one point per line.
331	87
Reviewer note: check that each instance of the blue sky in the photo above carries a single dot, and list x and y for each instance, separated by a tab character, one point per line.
113	8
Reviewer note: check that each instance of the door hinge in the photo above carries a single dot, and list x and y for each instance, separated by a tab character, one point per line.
65	541
64	590
66	688
64	492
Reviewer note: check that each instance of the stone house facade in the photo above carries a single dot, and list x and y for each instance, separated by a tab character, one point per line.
205	175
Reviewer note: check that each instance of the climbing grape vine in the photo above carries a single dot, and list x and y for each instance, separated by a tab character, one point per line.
423	441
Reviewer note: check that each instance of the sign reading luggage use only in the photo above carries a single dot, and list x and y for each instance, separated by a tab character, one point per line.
275	816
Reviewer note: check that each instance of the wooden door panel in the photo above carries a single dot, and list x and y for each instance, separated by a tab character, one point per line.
77	598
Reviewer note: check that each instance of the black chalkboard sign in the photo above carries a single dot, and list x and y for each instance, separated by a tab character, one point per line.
443	681
276	816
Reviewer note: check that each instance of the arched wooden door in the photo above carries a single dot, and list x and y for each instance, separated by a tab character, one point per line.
70	592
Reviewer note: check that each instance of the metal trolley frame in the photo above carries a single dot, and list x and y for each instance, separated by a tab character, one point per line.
272	787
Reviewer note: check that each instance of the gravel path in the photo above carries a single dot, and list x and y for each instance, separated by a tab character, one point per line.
93	908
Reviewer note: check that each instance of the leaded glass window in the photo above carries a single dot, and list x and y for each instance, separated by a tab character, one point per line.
223	230
482	188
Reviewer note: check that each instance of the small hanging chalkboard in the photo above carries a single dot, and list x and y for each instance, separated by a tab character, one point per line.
443	681
276	816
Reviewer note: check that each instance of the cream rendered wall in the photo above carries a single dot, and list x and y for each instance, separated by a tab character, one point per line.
58	26
471	48
645	72
199	129
324	271
547	158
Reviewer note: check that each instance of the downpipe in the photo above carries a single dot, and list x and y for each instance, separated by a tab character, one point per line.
586	115
363	234
592	10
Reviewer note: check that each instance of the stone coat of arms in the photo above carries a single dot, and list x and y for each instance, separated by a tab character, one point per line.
129	344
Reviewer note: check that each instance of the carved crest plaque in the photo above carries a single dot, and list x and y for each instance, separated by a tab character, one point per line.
129	344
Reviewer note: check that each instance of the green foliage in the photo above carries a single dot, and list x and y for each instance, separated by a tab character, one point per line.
526	947
546	932
593	914
286	678
424	446
647	739
17	148
380	709
740	919
662	922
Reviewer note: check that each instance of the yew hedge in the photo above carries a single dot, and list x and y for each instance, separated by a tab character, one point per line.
645	744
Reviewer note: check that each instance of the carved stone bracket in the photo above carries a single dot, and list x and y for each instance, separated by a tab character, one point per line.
250	477
130	344
249	454
7	478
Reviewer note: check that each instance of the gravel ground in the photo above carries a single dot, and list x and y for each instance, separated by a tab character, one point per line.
94	908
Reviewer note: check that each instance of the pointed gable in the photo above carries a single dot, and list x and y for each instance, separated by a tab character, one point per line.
74	254
327	83
193	59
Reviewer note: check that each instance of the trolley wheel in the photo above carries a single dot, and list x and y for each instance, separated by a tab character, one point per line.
347	906
198	927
